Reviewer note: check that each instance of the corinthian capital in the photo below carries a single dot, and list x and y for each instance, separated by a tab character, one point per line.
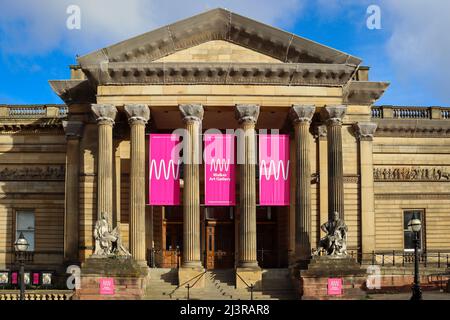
320	132
334	114
73	129
137	113
191	112
365	130
247	113
302	113
104	113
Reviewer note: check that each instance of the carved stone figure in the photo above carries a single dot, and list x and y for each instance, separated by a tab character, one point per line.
335	241
107	241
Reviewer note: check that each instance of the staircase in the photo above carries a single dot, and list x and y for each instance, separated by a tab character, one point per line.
219	285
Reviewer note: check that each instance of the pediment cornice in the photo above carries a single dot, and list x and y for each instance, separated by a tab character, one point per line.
219	24
219	73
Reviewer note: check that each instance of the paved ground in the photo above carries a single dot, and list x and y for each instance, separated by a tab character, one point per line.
428	295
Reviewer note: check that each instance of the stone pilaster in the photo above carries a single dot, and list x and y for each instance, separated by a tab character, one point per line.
321	137
138	115
301	116
74	131
333	116
364	132
192	116
247	116
105	115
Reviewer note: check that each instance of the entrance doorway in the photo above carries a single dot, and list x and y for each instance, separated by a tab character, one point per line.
219	238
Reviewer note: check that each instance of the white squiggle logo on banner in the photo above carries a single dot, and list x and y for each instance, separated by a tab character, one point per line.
220	165
166	169
274	169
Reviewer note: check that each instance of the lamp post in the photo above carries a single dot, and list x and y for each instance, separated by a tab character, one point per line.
415	225
21	246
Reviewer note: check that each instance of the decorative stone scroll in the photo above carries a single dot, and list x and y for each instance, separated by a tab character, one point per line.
33	173
411	174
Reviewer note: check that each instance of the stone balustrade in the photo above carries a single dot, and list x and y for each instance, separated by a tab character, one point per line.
33	111
396	112
37	295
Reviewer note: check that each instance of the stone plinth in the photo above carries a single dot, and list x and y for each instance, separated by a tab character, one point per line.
251	276
195	277
313	282
129	279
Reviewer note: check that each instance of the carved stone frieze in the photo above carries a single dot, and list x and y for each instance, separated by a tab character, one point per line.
411	174
54	172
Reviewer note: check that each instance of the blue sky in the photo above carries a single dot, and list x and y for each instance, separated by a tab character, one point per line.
411	50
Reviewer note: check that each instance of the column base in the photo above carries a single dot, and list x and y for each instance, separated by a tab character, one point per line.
192	276
247	276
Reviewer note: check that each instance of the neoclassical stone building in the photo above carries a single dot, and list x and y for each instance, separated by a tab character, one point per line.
378	166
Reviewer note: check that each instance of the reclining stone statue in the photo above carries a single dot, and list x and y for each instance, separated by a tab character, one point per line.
107	240
335	241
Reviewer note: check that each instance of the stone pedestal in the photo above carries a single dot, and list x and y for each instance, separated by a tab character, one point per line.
195	277
129	279
246	277
313	282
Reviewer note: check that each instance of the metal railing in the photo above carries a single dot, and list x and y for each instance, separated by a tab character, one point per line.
251	286
157	258
188	285
435	259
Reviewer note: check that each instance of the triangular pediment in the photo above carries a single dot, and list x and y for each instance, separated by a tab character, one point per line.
218	25
218	51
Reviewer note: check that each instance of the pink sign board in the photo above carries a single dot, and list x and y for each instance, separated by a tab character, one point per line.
334	286
220	188
164	170
274	175
107	286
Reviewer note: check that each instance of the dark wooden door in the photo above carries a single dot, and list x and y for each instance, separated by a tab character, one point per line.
219	245
174	245
267	244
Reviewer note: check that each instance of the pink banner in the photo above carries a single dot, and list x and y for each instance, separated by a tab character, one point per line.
164	170
220	183
274	176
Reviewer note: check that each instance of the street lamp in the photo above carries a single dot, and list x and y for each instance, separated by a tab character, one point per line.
21	246
415	225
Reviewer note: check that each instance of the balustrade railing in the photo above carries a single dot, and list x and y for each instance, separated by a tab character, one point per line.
33	112
37	295
397	112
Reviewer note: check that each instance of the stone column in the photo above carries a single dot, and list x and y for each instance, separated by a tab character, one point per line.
333	116
192	116
247	116
105	115
138	115
364	133
301	116
321	136
74	131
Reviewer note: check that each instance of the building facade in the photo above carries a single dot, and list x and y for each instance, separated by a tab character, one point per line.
378	166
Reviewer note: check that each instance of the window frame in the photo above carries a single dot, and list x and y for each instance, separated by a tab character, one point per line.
422	230
16	213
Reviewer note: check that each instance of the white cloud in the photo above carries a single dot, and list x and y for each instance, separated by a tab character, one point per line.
419	46
32	27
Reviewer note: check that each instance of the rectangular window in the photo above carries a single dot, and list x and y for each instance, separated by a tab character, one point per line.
25	225
408	215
